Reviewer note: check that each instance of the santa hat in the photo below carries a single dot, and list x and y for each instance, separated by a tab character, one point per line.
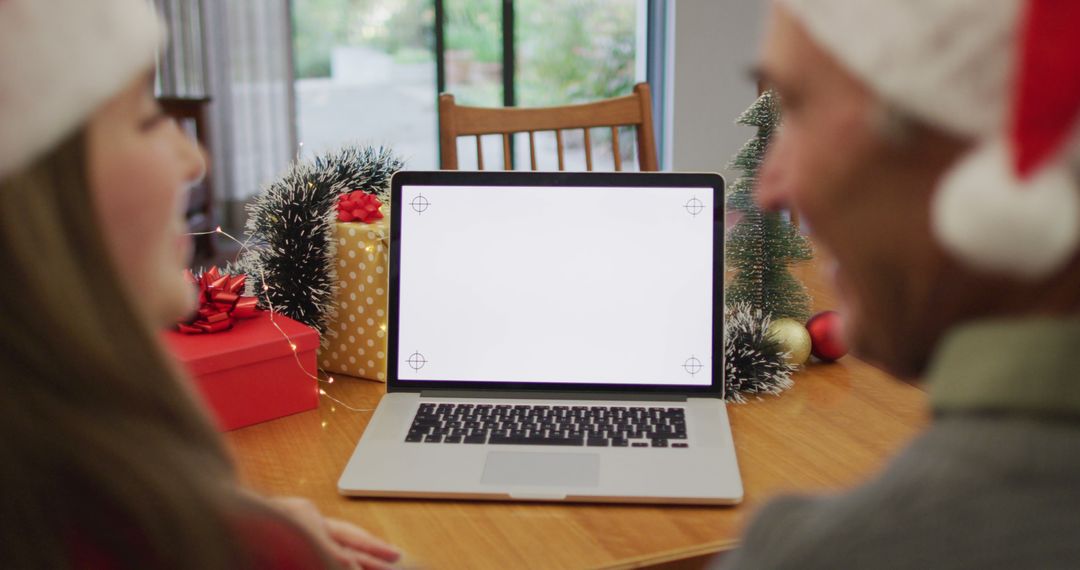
62	59
1005	73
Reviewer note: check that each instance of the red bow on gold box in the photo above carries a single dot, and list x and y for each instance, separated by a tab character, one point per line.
220	302
359	206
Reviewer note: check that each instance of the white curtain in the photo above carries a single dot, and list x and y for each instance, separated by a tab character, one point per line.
182	64
239	53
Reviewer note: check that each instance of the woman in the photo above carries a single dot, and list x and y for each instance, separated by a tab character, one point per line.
105	458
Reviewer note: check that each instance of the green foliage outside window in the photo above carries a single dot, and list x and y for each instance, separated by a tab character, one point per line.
575	51
568	50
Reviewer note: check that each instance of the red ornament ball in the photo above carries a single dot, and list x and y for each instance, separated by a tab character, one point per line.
826	338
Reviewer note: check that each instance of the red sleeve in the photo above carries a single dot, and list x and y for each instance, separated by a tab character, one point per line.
273	544
268	544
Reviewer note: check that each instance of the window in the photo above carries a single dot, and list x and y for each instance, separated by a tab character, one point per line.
370	70
365	72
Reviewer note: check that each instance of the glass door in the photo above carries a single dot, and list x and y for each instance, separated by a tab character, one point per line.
365	73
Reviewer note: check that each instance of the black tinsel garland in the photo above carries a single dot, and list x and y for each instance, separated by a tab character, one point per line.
754	362
291	224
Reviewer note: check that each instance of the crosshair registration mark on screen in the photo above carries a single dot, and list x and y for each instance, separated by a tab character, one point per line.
692	366
420	204
416	361
694	206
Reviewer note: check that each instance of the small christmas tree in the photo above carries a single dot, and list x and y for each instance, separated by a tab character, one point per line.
762	246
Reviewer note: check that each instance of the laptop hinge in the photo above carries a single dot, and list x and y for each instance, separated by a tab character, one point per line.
543	395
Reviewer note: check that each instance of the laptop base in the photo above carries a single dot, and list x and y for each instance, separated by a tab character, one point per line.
384	465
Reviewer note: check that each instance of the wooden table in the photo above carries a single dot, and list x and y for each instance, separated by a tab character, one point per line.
835	428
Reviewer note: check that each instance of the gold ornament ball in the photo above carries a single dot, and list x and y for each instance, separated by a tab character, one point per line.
794	339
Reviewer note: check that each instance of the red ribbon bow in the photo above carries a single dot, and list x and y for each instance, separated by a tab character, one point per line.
220	302
359	206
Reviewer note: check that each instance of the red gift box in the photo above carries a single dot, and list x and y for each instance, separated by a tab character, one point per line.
248	374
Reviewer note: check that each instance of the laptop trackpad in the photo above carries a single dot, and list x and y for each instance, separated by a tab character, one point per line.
562	469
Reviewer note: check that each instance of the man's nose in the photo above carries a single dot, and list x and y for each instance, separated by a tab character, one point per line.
773	179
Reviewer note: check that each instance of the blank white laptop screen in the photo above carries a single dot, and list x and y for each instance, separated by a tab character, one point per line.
595	285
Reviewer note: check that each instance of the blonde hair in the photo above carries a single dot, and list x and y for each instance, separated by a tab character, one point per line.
101	443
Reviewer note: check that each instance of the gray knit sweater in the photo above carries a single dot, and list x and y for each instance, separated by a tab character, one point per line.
993	483
973	492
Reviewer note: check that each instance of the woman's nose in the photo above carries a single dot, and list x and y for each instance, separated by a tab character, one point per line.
194	157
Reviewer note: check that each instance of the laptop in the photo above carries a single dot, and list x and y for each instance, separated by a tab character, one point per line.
553	337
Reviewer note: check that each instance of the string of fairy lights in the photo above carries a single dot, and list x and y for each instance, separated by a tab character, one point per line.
292	345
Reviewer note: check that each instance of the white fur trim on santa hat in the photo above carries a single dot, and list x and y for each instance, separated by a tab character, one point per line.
992	220
62	59
945	62
950	64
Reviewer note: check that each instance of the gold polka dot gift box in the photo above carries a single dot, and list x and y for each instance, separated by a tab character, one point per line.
356	343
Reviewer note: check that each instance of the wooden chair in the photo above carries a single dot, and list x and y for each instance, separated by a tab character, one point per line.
192	113
631	110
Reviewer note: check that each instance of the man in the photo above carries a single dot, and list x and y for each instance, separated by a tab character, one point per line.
931	148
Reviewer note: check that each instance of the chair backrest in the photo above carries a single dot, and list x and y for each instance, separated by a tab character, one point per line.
194	109
631	110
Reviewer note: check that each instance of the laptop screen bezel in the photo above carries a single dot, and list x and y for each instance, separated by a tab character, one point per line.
600	179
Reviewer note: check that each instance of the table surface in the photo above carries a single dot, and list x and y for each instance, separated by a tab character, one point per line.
835	428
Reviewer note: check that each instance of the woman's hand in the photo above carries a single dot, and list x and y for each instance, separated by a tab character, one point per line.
350	545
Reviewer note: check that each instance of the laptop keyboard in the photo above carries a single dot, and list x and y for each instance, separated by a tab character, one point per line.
592	426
